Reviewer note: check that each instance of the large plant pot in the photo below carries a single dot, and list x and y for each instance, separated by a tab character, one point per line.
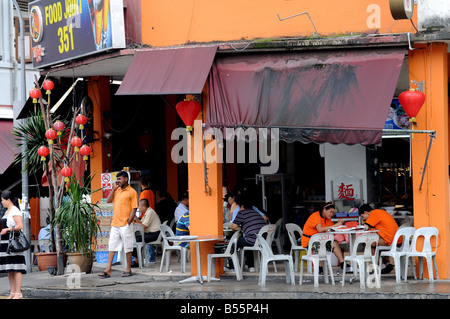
45	260
84	261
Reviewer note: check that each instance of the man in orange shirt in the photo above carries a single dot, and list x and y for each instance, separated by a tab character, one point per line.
125	200
146	192
386	225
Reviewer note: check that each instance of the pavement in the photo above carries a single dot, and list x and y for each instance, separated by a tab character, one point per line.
148	283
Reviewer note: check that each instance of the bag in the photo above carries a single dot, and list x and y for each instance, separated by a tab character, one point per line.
17	242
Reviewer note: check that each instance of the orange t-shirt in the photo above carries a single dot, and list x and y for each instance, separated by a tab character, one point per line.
149	195
310	229
384	222
124	201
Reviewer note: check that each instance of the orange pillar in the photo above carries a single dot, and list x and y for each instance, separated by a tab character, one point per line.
205	202
100	159
428	69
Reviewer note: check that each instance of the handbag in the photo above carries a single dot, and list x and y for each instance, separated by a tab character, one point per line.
17	242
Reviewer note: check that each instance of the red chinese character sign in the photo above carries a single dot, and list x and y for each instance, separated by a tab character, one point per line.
347	191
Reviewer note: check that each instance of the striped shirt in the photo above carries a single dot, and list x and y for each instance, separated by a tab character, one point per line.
183	228
250	222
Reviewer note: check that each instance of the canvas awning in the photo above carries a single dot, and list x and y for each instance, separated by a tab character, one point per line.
7	145
168	71
335	96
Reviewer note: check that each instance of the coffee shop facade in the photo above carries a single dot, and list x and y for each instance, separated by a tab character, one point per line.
316	82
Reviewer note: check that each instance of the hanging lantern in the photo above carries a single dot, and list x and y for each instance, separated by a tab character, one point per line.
59	127
76	142
188	111
85	151
43	153
81	120
35	94
50	135
48	86
411	101
66	171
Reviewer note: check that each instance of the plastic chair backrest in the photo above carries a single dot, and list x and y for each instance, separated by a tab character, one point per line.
427	233
138	228
406	233
270	230
166	232
367	240
47	243
232	243
291	230
265	248
278	226
322	239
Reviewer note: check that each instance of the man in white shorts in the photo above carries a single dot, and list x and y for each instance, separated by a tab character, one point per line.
125	200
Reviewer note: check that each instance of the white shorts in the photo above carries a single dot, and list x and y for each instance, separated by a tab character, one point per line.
121	238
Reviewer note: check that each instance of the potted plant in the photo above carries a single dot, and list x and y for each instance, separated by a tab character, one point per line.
79	223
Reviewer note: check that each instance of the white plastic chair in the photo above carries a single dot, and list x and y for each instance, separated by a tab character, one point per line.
167	249
268	256
157	242
292	229
428	252
398	253
269	229
362	260
230	252
277	235
321	256
139	245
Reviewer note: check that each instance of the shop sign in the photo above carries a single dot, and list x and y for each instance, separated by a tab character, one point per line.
68	29
347	188
397	118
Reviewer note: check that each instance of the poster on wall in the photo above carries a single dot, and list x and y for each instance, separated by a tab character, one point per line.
397	118
67	29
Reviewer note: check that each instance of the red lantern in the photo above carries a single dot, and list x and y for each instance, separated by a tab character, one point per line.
59	127
50	135
35	94
66	171
81	120
76	142
85	151
43	153
48	86
188	111
411	101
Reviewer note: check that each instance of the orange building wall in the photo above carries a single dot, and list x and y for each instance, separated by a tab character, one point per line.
429	63
176	22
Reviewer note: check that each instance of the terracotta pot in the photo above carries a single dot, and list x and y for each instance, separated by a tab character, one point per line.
45	260
81	260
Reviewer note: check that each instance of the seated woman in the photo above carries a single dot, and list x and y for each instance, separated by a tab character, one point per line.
320	222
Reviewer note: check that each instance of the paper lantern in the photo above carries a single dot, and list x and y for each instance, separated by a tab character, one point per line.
85	151
48	86
81	120
66	171
43	153
59	127
76	142
412	102
188	111
35	94
50	135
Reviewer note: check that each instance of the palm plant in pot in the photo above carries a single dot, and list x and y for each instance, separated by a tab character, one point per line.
79	223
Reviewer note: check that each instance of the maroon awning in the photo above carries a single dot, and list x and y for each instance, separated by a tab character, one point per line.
168	71
316	96
7	145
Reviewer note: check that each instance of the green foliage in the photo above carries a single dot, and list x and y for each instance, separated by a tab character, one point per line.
77	217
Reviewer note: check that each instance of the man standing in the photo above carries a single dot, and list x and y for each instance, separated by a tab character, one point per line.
386	225
125	200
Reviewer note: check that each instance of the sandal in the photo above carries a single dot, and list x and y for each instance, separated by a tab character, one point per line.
127	274
104	275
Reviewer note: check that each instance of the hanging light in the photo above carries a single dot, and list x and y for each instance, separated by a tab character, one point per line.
411	101
188	111
43	153
66	171
59	126
50	135
85	151
76	142
35	94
